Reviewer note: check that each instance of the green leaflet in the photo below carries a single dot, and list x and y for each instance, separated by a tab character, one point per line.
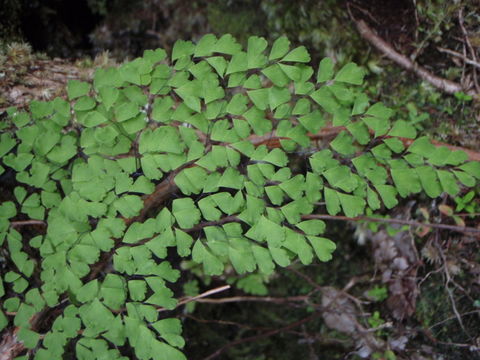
275	194
292	72
185	212
271	97
205	46
170	330
372	199
276	75
352	205
28	337
299	54
162	109
341	177
360	132
40	109
77	88
238	104
238	64
448	182
429	181
182	48
351	73
171	143
191	180
256	46
323	247
231	178
95	316
138	231
472	168
184	242
84	103
388	195
406	181
126	111
360	104
24	313
298	244
6	143
325	99
279	48
211	263
293	210
128	205
280	256
403	129
227	45
312	227
325	70
267	230
241	255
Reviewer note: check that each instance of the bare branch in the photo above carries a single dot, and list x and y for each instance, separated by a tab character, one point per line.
461	56
270	299
198	298
27	222
469	46
440	83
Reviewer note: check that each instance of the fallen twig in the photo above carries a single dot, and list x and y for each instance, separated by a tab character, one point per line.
27	222
469	46
199	297
461	56
270	299
445	85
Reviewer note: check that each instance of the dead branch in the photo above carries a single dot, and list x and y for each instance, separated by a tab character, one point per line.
445	85
199	298
461	56
269	299
27	222
469	46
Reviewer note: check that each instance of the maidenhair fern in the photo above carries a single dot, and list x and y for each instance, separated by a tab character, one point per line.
88	225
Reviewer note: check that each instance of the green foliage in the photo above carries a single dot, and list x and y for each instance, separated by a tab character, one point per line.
466	203
203	120
378	293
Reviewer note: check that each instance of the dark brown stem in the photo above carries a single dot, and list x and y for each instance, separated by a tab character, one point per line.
162	192
272	141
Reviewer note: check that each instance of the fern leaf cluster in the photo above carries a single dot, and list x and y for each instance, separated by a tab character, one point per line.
227	129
